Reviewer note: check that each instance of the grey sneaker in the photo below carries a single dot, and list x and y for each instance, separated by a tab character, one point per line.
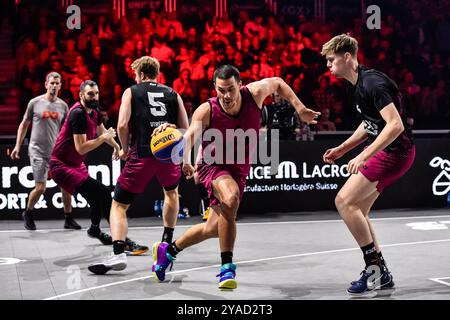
116	262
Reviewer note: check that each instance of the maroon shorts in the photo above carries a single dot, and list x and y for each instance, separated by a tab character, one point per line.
208	173
68	177
386	167
138	172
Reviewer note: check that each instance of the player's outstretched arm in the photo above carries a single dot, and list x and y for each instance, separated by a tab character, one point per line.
265	87
83	146
358	137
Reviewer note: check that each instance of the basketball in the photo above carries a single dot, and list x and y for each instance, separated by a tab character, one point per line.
168	145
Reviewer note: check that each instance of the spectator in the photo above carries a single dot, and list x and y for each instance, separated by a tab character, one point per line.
70	54
325	124
193	40
172	39
75	82
31	71
247	52
87	40
184	88
266	71
411	92
106	80
255	28
323	97
254	74
176	25
340	118
95	61
45	53
140	50
126	74
274	27
437	67
238	40
163	53
219	43
26	52
104	30
195	67
162	28
182	56
209	58
239	63
225	26
279	49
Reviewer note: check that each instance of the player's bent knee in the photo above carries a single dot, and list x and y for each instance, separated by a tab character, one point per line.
340	202
231	201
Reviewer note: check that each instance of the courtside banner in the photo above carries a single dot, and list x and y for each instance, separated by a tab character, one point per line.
301	182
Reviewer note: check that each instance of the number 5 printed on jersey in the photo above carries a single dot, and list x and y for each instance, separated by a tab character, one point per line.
157	108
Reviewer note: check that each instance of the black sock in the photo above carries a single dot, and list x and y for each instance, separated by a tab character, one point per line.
118	246
227	257
167	235
94	229
173	250
68	215
371	256
28	211
382	261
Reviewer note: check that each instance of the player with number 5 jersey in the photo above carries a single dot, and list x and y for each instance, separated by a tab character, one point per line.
145	106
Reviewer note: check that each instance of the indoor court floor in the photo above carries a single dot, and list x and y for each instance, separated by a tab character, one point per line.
299	256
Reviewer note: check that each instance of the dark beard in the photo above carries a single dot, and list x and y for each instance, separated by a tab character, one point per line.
91	104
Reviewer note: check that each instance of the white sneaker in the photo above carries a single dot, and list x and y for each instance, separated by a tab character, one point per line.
114	262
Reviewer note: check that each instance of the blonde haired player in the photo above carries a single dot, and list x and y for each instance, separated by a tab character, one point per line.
388	156
146	105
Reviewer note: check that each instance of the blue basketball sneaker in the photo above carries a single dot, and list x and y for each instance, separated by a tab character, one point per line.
227	276
161	260
366	284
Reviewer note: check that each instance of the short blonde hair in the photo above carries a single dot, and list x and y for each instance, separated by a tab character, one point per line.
341	44
149	66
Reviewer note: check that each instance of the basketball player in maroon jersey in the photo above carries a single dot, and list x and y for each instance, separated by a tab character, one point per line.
235	107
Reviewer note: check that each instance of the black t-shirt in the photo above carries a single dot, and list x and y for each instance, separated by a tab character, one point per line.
152	104
77	121
372	92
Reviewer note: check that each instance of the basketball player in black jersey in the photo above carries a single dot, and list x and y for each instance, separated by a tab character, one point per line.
387	157
145	106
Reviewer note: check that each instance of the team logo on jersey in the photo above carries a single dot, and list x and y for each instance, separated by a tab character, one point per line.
441	184
50	115
371	127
